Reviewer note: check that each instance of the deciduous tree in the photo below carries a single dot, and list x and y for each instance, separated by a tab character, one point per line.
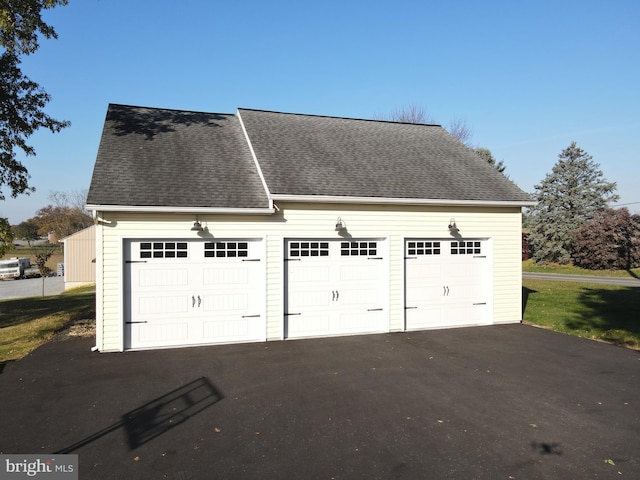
567	197
6	236
418	114
27	230
610	240
62	220
22	100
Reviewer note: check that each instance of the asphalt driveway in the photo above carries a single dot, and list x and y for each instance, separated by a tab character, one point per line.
501	402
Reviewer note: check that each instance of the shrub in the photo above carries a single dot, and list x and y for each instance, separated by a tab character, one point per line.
611	240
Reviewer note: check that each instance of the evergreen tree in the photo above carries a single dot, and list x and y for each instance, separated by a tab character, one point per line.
567	197
487	156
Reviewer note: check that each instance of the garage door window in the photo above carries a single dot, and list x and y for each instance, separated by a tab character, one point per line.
164	250
423	248
358	248
466	248
309	249
226	249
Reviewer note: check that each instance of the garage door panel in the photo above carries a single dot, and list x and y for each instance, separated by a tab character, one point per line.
227	302
169	333
193	292
424	317
353	298
423	295
162	305
335	288
446	286
307	272
366	272
226	275
355	322
307	325
306	299
226	329
162	277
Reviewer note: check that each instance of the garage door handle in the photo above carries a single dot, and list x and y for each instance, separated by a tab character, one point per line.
374	310
193	301
129	323
199	300
480	303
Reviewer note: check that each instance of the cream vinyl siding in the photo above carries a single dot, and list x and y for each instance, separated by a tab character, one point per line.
393	223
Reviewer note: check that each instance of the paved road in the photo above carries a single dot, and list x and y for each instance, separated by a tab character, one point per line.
623	282
30	287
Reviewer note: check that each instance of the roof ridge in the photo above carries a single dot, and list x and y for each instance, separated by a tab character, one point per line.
376	120
169	109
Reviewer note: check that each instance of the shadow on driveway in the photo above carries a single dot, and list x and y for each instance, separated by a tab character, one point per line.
160	415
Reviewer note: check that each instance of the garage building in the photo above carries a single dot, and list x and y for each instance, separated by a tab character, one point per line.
258	226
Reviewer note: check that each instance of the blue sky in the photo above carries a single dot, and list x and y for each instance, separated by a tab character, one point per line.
527	77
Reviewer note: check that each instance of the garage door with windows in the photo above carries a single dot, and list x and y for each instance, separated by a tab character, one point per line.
335	287
193	292
447	283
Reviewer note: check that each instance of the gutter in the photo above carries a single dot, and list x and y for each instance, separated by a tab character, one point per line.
169	209
399	201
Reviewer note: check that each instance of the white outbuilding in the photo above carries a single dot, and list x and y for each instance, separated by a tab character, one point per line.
259	226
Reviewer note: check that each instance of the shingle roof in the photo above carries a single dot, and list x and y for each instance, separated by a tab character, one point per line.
313	155
159	157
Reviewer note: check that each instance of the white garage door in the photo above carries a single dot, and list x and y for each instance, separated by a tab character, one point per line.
193	292
335	287
447	283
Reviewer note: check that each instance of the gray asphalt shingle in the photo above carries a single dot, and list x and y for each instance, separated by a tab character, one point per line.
160	157
314	155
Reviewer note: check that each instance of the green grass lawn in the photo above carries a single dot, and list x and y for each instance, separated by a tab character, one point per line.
600	312
530	266
27	323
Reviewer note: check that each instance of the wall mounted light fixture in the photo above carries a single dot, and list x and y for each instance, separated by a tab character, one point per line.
453	228
340	225
197	227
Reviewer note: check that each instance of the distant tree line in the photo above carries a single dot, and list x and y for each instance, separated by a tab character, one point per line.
64	216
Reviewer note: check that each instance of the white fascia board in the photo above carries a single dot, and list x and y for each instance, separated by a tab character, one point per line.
210	210
398	201
253	155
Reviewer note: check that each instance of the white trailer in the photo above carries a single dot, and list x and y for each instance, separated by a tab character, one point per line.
14	268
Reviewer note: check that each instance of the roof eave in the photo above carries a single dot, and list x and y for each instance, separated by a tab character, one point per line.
172	209
400	201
